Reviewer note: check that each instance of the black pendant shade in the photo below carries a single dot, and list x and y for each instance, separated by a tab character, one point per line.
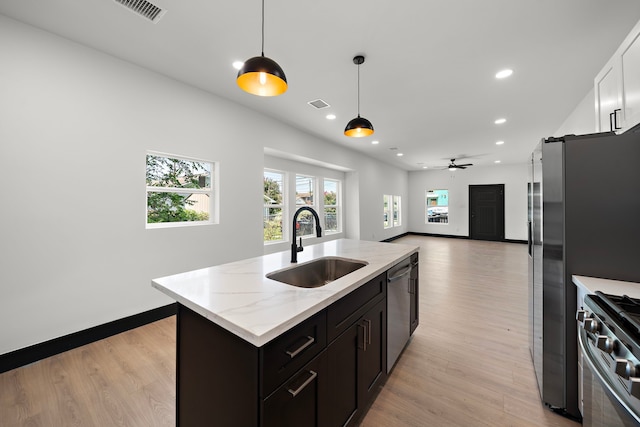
260	75
358	127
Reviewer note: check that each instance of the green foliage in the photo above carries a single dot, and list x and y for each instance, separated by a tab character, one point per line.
174	173
272	230
272	193
330	198
273	225
171	207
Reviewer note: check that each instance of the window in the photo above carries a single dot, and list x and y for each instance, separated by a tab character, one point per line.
397	217
437	206
286	190
331	206
179	191
387	200
305	189
391	211
274	211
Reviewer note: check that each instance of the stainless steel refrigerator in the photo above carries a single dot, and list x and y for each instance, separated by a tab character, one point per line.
584	219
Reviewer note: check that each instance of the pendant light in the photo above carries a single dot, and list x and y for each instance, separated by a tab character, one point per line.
359	126
260	75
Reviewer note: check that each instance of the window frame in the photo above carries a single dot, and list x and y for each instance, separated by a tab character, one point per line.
387	213
426	205
397	211
212	192
318	177
315	200
337	206
283	206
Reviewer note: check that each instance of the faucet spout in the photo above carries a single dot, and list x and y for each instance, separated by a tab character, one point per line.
295	248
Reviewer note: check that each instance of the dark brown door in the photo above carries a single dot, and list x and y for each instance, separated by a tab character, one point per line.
486	212
373	356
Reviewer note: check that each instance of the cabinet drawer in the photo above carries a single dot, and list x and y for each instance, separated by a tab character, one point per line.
344	312
301	400
286	354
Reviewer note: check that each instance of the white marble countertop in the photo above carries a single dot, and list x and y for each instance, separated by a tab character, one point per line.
238	297
612	287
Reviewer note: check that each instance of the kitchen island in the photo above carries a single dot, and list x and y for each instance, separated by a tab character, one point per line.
254	351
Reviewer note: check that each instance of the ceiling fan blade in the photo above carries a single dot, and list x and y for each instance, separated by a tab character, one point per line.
465	165
461	166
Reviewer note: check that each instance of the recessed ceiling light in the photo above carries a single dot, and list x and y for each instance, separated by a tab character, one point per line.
500	121
499	142
497	161
331	116
375	142
238	64
504	73
399	154
425	167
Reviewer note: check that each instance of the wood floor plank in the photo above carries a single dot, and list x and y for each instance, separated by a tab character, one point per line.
468	363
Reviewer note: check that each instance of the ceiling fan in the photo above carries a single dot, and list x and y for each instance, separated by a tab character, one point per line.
453	166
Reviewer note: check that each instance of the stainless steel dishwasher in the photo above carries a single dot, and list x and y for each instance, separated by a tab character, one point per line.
398	310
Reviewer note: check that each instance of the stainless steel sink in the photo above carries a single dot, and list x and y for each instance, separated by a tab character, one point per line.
318	272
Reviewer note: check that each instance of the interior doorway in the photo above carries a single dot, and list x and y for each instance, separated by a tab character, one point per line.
486	212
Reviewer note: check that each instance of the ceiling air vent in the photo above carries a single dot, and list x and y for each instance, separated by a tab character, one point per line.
143	8
318	103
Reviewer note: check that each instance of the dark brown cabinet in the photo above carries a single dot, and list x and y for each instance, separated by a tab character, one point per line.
300	401
324	372
358	361
373	353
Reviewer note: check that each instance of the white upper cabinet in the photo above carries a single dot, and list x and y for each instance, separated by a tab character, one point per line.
607	97
617	87
630	67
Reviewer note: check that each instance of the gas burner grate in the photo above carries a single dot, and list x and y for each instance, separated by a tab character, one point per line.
625	308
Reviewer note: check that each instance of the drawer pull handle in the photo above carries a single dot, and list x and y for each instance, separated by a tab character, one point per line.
368	322
364	336
310	340
297	391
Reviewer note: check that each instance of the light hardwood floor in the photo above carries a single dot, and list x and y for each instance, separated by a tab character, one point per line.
467	364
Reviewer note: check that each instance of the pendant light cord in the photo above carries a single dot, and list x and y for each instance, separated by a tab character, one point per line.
358	89
262	27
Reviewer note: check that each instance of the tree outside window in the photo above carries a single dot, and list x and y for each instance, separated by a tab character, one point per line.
331	205
273	206
179	190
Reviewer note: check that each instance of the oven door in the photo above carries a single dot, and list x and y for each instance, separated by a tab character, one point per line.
602	407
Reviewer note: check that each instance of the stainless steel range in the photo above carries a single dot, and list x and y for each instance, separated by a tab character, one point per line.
609	338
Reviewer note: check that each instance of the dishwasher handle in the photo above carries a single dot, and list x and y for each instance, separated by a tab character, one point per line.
400	274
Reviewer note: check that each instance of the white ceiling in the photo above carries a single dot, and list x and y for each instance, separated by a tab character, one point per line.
427	84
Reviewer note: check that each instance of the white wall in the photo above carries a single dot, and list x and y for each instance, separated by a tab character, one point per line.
582	119
514	178
76	125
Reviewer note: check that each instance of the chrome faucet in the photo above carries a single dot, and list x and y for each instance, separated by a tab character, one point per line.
295	248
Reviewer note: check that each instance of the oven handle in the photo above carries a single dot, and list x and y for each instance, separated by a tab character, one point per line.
586	352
